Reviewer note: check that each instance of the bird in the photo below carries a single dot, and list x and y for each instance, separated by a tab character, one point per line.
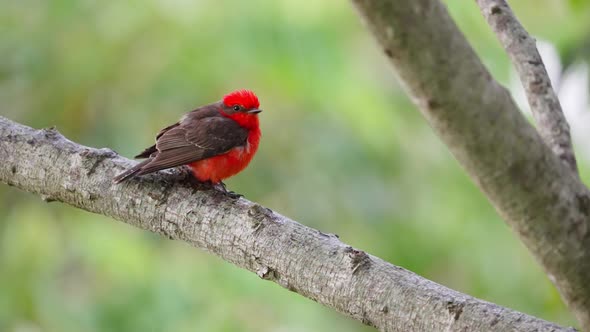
216	141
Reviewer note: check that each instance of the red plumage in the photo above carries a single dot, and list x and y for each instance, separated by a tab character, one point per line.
242	97
216	141
218	168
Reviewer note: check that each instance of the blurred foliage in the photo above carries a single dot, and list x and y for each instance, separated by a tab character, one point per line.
343	150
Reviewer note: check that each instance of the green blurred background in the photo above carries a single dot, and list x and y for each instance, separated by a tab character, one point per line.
343	150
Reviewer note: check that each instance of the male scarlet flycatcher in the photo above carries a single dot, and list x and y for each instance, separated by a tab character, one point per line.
216	141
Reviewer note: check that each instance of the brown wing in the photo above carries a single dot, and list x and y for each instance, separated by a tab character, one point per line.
193	140
211	110
148	152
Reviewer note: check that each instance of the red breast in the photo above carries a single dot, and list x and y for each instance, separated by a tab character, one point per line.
223	166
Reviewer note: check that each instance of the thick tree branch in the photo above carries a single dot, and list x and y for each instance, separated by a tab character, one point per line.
538	195
316	265
522	49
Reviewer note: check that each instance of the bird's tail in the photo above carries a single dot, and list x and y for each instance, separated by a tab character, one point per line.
130	172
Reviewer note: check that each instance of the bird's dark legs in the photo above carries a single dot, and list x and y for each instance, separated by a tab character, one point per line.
208	185
230	194
220	186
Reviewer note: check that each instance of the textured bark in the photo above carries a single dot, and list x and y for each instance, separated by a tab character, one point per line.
537	195
545	105
306	261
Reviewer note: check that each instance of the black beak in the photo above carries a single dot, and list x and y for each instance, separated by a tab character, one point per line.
255	111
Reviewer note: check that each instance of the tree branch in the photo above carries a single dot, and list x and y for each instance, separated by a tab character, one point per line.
306	261
538	196
522	49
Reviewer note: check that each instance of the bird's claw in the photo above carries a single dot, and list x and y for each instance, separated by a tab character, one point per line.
220	186
228	193
232	194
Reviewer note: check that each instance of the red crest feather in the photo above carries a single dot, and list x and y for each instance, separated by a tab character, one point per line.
244	98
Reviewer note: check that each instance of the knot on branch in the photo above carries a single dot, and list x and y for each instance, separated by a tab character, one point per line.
257	210
47	198
358	259
259	214
495	10
51	133
455	308
266	273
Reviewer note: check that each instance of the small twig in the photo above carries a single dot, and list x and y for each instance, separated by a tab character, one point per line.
522	49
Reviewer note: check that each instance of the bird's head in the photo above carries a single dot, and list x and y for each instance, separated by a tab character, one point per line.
241	101
242	106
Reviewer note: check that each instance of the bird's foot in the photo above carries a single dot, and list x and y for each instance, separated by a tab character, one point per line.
219	186
228	193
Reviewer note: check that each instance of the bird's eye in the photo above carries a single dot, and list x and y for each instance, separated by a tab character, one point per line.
236	108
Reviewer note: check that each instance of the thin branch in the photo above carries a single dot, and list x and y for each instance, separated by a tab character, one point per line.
306	261
522	49
541	199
